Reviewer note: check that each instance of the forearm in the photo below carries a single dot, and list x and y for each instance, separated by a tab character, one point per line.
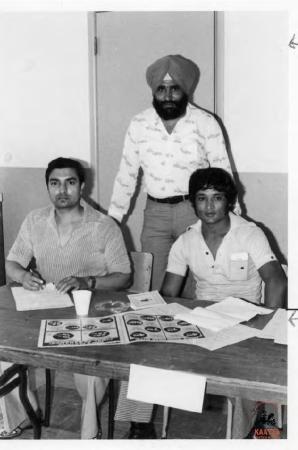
15	271
171	285
275	293
114	281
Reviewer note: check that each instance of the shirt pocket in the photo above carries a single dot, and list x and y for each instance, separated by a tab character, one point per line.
239	266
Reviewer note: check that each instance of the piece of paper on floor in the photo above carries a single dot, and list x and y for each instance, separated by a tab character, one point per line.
277	327
171	388
229	336
235	307
46	298
202	317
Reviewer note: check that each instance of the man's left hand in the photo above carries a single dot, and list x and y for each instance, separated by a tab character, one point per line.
71	283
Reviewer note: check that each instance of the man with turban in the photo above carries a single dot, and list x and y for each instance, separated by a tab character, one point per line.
169	141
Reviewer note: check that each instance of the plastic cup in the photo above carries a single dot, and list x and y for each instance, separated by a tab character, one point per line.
82	301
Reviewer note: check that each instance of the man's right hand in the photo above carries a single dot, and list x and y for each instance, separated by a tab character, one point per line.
32	282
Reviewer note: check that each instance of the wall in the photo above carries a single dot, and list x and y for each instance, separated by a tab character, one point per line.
252	88
44	107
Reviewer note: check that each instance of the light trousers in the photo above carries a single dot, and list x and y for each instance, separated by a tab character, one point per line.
91	390
163	224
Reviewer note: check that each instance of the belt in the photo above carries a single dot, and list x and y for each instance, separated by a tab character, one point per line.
171	200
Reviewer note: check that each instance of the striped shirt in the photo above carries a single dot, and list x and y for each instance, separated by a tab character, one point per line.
167	160
229	274
96	246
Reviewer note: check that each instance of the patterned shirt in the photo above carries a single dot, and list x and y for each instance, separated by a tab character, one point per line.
234	271
167	160
96	246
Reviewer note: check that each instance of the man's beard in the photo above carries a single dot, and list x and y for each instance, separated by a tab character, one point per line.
168	110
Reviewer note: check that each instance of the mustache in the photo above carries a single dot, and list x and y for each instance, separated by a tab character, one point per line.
62	197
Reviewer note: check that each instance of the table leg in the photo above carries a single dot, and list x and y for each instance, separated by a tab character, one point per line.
35	421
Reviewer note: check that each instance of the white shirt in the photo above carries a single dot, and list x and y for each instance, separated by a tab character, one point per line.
229	274
95	247
167	160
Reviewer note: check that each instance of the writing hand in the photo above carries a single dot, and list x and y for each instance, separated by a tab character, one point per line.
71	283
32	281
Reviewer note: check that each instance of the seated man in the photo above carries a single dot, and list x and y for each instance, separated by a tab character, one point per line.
210	247
75	247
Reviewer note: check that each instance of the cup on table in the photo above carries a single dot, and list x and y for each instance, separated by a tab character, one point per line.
81	300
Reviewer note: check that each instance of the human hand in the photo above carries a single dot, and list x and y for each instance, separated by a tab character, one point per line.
32	281
71	283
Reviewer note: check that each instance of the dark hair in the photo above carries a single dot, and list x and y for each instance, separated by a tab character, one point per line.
62	163
213	178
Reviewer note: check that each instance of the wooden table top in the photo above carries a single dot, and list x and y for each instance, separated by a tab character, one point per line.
255	368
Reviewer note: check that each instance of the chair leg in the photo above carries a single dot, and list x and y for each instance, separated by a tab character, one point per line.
164	430
279	416
47	411
229	418
111	393
36	423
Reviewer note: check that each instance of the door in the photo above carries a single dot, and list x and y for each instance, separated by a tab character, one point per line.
128	42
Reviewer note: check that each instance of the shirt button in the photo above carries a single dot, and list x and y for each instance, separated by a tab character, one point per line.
207	253
212	267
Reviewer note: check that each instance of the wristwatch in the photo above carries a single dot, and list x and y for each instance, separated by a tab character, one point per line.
91	283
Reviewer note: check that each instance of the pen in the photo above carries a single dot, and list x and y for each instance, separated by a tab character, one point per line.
37	274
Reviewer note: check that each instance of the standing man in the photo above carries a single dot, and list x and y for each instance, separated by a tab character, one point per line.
75	247
168	141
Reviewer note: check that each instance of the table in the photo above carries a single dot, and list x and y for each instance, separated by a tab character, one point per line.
255	369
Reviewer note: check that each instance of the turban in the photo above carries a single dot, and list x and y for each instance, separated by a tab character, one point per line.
182	70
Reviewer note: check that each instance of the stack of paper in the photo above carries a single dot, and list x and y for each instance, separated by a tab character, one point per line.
145	300
46	298
224	314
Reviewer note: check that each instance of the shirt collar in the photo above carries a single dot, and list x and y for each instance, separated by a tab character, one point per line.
235	222
83	203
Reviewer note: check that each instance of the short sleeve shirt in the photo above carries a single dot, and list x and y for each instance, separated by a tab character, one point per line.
96	247
234	271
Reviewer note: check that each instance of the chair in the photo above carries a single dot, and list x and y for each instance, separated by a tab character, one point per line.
2	258
18	371
16	376
142	270
229	401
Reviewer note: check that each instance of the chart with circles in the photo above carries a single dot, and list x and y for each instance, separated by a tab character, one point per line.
150	327
123	328
81	331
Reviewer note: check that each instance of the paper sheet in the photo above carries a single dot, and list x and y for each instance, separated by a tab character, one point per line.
277	327
145	300
229	336
211	320
168	308
46	298
235	307
224	314
171	388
